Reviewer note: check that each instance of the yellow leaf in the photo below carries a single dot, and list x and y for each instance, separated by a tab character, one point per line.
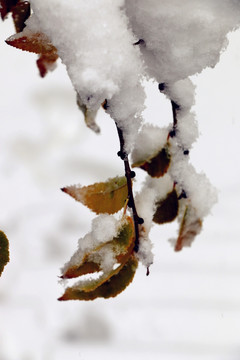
122	246
166	209
105	197
157	165
110	288
190	227
4	251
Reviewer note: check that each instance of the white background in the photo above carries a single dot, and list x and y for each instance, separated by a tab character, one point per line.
189	306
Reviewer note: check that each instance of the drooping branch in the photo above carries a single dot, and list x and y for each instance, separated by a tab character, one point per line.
129	175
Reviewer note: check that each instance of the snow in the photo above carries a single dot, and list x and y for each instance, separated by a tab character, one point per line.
180	41
188	308
102	63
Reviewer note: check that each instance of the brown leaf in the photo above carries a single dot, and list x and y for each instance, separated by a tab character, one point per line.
20	13
110	288
6	6
190	227
4	251
166	209
122	246
37	43
105	197
157	165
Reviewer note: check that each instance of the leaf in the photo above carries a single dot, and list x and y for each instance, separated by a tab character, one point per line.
6	6
20	13
4	251
166	209
104	197
89	115
37	43
190	227
157	165
122	245
110	288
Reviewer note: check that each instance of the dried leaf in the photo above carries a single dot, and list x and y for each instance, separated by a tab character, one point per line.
122	246
20	13
157	165
37	43
190	227
166	209
6	6
105	197
110	288
4	251
89	115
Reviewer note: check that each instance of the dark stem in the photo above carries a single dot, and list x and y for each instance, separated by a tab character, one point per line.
129	174
175	107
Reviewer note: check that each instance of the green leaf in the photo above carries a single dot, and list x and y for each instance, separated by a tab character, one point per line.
4	251
166	209
157	165
110	288
190	227
122	246
105	197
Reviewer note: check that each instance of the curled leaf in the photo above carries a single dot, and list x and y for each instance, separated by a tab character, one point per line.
4	251
105	197
121	246
166	209
110	288
157	165
190	227
37	43
89	116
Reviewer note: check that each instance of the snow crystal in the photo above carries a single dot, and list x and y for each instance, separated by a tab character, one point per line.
181	39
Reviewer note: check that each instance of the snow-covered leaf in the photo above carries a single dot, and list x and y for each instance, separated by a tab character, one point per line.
89	115
156	165
166	209
190	227
104	197
4	251
110	288
120	247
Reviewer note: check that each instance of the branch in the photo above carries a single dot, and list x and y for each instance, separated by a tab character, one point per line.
129	175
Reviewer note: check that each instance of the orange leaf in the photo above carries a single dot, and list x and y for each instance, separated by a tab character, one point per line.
105	197
110	288
37	43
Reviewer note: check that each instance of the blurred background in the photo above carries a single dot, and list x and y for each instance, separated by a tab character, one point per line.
189	306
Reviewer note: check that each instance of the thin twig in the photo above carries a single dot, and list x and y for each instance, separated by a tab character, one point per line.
129	175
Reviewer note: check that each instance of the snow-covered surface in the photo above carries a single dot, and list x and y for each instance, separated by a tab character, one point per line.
189	306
